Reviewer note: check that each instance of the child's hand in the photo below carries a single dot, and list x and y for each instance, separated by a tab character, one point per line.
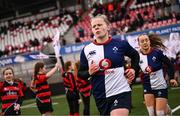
57	65
173	82
16	107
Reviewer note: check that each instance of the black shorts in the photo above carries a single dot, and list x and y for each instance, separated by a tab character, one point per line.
11	112
44	107
160	93
106	105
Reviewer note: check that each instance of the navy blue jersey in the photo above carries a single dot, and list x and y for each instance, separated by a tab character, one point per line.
110	79
152	66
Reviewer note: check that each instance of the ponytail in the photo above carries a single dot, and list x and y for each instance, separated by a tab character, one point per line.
156	41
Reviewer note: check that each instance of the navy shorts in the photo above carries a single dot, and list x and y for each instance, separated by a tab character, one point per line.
44	107
106	105
159	93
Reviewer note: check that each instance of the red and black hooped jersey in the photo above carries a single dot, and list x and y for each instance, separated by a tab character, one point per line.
22	84
10	94
69	81
84	87
43	92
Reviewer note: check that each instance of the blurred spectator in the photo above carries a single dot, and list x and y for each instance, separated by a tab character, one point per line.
110	7
175	6
36	42
63	40
98	8
140	20
75	17
1	53
178	59
81	32
114	31
177	66
77	40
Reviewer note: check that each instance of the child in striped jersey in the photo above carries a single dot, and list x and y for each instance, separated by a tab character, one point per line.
72	93
11	93
84	87
41	88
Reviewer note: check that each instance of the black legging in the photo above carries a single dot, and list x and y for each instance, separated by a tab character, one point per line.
73	102
86	102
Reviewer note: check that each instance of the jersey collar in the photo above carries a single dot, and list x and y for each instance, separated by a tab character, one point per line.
151	49
106	42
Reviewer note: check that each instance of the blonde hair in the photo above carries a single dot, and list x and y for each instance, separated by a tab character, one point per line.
104	17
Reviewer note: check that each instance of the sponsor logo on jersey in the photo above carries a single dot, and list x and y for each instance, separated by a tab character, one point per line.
92	52
141	61
105	64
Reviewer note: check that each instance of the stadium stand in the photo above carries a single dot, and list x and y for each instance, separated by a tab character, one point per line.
21	37
133	16
27	34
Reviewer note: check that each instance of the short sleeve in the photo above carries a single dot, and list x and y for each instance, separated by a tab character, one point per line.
41	78
20	90
1	86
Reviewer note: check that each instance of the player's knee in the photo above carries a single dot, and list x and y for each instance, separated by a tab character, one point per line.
160	113
151	110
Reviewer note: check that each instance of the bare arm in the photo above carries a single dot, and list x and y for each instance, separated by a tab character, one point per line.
53	70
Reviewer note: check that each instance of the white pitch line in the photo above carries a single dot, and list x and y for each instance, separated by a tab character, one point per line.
28	105
32	105
175	88
175	109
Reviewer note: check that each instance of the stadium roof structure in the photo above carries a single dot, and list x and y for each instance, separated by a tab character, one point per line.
15	8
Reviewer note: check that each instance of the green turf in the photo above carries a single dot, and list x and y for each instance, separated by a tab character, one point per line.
138	107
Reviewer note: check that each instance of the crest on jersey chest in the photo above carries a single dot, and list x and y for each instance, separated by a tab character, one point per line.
115	49
154	59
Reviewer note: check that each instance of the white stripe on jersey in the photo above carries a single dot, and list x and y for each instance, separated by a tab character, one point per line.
97	56
157	80
115	82
144	60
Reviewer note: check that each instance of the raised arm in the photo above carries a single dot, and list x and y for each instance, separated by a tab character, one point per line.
53	70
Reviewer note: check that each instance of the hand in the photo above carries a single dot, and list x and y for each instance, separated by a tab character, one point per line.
64	74
57	65
93	68
16	107
130	75
148	69
173	82
129	81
